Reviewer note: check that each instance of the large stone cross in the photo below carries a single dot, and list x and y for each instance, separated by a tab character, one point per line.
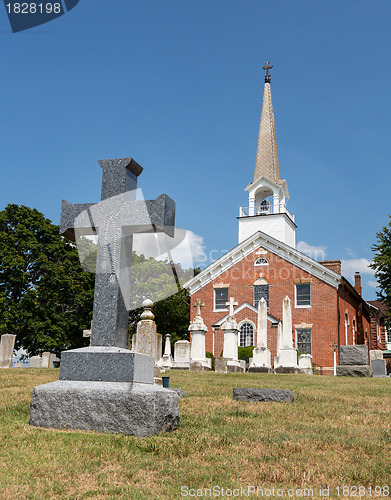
198	304
115	219
231	305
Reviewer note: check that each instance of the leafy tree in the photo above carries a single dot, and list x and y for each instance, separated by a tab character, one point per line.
155	280
45	297
381	263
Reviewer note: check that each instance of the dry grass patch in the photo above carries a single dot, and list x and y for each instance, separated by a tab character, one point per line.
336	432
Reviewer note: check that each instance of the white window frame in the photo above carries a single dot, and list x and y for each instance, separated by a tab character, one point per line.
214	299
346	323
240	326
303	306
261	263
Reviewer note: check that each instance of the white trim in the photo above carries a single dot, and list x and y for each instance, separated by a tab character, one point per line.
260	239
308	306
346	322
272	320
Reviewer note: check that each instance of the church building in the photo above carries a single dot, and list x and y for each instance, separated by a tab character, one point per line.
327	310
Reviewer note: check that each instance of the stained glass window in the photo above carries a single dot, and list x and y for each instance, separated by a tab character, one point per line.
259	292
304	341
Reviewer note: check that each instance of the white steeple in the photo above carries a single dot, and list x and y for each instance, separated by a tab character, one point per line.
267	194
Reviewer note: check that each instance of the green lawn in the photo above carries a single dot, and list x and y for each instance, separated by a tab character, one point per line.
337	432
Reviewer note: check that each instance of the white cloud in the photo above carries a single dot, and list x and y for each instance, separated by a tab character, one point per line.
372	284
315	252
190	251
351	266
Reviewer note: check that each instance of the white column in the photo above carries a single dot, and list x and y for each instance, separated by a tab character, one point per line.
230	349
287	342
251	204
262	323
279	338
167	345
276	204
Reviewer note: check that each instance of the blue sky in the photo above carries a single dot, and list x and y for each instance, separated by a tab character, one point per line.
178	86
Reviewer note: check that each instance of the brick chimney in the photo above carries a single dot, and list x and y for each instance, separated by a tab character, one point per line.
357	282
333	265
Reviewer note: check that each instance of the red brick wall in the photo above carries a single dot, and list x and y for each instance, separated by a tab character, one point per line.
349	304
377	325
281	276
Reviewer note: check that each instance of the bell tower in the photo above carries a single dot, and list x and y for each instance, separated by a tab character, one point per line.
267	193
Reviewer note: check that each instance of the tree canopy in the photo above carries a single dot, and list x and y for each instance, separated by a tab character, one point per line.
381	263
46	298
160	282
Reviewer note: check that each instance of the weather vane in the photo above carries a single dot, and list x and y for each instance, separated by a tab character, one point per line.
267	76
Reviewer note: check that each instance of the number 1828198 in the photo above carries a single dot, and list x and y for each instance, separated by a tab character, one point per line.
34	8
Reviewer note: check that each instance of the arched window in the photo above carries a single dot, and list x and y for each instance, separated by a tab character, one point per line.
261	262
354	331
246	334
261	289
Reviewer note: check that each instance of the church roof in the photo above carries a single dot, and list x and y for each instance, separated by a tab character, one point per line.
260	239
266	163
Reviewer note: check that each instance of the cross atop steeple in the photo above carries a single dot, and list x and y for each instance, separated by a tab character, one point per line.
266	163
267	67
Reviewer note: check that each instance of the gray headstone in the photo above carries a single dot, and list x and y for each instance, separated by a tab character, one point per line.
35	362
262	395
379	367
135	409
354	371
353	355
106	364
221	365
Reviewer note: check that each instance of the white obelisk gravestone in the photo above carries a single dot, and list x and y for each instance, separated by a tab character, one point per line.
261	360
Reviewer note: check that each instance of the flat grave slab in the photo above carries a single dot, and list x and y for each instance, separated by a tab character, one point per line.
262	395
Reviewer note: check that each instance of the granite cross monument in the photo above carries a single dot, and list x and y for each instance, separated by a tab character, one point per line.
105	386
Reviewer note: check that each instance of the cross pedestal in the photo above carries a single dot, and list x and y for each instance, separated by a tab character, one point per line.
106	387
198	329
231	332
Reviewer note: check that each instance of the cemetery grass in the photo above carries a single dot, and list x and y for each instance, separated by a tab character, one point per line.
336	432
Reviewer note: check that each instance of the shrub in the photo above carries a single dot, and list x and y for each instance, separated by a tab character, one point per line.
210	355
245	352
